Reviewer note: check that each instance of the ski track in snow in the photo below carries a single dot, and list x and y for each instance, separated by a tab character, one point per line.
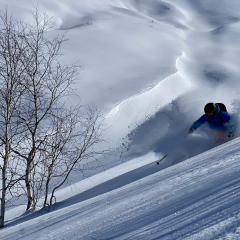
153	66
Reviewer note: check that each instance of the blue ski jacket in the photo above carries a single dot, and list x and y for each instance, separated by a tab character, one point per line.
214	122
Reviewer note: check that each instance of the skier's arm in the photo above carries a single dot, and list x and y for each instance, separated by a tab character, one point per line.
198	123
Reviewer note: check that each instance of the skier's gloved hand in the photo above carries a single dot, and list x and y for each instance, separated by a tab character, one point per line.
192	129
230	134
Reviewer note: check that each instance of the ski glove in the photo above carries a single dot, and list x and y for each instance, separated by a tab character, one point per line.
230	134
192	129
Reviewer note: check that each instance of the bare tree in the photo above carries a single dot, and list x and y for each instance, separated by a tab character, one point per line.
73	144
45	81
51	130
41	140
74	132
11	92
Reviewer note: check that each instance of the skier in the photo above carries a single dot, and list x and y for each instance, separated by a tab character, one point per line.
218	118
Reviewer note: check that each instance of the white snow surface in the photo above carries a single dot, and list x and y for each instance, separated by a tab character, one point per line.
151	65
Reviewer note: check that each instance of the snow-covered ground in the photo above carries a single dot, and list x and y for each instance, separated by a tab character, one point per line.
195	199
152	65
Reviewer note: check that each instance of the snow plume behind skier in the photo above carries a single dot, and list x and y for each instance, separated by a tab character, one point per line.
218	119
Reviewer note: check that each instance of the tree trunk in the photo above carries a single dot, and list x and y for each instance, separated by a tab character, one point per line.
46	192
3	195
28	185
4	177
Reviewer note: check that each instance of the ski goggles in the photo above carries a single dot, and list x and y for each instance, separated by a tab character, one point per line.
209	114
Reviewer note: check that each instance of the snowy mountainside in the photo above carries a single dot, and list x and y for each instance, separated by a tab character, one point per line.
152	65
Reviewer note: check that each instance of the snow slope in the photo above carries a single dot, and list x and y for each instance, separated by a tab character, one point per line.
152	65
195	199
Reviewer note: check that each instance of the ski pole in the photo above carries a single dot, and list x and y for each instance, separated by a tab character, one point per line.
161	159
167	153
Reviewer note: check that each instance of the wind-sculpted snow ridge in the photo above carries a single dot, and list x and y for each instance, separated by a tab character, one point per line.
157	127
160	11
